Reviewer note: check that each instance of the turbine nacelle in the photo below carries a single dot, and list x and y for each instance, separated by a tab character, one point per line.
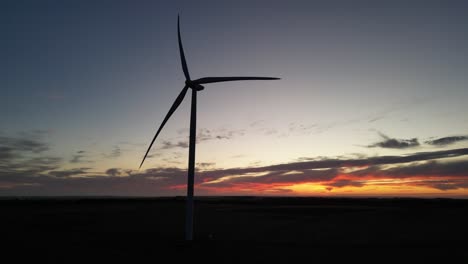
193	85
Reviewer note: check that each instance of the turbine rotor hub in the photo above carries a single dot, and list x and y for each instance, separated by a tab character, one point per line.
193	85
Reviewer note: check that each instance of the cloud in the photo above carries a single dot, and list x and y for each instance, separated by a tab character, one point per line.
155	181
326	163
343	183
306	129
24	171
11	147
25	153
329	171
68	173
115	172
425	169
257	123
448	185
171	145
228	177
295	127
205	164
79	157
395	143
375	118
203	135
6	153
222	133
28	171
153	155
173	157
260	126
115	153
129	172
183	131
446	140
76	159
23	159
320	170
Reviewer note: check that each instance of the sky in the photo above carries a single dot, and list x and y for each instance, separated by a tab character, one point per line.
371	101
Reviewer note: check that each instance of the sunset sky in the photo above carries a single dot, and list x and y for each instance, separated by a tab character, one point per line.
372	99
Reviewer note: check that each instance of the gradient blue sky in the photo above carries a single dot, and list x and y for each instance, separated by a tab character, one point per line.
86	83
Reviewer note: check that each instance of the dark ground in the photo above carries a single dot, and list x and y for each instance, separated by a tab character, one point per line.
235	230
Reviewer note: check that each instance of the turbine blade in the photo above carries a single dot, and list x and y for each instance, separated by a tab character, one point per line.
182	54
174	106
230	79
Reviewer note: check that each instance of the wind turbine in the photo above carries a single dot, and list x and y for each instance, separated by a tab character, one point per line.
196	86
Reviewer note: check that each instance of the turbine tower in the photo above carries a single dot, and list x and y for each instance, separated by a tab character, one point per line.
196	86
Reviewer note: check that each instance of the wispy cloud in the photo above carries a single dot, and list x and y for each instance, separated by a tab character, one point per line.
332	173
303	128
222	133
257	123
23	173
23	158
394	143
25	153
444	141
343	183
115	153
153	155
12	146
69	173
427	167
205	165
375	118
114	172
79	157
76	159
203	135
171	145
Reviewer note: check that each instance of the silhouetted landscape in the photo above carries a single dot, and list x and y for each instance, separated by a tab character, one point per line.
228	229
316	119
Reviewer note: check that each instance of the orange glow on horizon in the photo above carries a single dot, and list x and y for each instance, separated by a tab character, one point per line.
418	186
375	190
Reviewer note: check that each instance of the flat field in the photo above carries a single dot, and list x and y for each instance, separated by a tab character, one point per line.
235	229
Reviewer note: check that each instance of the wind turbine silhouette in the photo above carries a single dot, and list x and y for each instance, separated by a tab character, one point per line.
196	86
